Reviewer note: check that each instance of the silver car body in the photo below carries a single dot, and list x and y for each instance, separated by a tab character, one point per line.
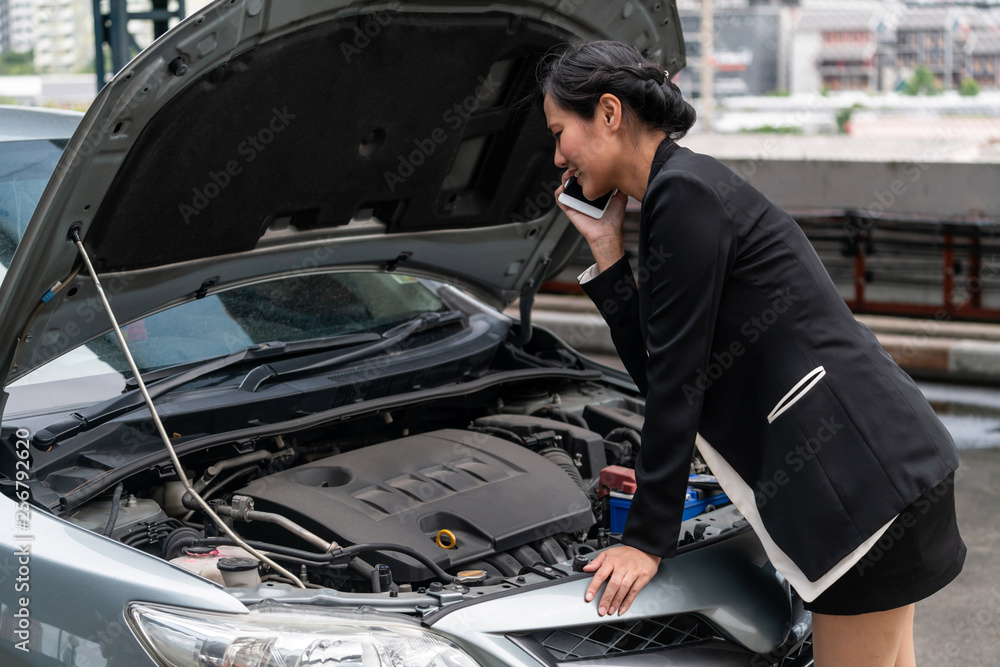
66	591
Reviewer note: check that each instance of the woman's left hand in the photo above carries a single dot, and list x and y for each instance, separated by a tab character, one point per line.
626	570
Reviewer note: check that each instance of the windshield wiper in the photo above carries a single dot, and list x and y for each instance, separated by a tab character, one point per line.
100	413
394	336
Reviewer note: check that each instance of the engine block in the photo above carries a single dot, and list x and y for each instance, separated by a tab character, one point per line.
492	494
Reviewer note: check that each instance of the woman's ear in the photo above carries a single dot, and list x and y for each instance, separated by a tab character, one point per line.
609	111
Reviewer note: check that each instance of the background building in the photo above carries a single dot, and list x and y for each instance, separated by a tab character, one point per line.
64	35
840	50
61	32
750	50
761	47
937	38
16	26
983	59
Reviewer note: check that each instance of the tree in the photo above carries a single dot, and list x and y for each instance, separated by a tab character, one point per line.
15	62
969	87
922	82
844	117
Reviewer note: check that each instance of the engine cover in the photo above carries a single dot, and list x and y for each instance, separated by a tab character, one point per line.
492	494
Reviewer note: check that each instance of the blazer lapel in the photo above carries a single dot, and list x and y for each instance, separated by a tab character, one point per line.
663	151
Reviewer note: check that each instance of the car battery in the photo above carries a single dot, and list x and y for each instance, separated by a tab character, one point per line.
696	501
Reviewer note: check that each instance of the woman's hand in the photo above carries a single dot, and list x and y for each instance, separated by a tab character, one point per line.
626	570
604	236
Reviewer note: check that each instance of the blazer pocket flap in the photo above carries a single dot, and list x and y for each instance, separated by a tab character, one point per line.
797	392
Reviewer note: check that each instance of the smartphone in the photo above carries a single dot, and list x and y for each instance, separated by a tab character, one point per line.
572	196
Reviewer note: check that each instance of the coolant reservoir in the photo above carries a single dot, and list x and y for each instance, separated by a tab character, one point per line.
207	565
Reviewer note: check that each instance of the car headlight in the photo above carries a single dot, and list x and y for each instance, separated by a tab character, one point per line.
284	635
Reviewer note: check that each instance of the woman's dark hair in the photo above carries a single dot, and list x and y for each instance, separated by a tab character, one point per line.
577	77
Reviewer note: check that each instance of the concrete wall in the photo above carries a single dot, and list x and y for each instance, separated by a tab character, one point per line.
944	189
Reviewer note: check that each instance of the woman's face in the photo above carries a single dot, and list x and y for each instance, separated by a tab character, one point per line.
583	147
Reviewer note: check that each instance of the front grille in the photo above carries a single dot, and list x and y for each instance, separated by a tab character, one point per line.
611	639
802	656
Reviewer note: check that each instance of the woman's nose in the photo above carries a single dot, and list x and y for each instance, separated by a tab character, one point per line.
559	159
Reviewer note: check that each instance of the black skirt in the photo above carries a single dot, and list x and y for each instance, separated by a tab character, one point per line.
919	554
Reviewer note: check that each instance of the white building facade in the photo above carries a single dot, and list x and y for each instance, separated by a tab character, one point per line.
17	27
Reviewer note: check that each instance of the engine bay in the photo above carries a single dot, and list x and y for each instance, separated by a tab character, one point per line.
456	496
446	492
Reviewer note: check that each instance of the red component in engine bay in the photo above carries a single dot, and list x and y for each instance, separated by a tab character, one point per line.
616	478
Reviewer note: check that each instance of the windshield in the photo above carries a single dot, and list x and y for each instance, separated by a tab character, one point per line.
25	168
293	308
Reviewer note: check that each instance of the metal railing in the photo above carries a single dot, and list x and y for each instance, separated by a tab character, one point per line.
908	265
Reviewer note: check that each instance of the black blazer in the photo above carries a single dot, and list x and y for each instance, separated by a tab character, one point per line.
725	334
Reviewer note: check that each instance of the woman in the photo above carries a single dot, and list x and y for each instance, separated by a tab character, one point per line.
739	340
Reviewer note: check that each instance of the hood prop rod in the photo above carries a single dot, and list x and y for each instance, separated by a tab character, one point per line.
528	293
74	235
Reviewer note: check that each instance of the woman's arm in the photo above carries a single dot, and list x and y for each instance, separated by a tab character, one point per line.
616	296
613	290
690	228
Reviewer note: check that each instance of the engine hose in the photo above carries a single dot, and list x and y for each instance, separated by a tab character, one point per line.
567	418
367	572
562	459
140	536
110	528
174	543
213	471
312	560
505	433
327	558
284	558
624	433
212	490
310	557
399	548
188	501
156	531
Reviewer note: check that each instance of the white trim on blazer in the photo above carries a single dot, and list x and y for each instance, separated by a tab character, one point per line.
812	377
742	497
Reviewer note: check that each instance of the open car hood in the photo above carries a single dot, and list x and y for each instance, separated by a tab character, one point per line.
266	137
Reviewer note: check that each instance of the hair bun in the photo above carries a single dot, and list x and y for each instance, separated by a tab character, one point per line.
578	76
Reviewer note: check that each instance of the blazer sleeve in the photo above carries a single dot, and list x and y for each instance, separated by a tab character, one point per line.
690	248
614	293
